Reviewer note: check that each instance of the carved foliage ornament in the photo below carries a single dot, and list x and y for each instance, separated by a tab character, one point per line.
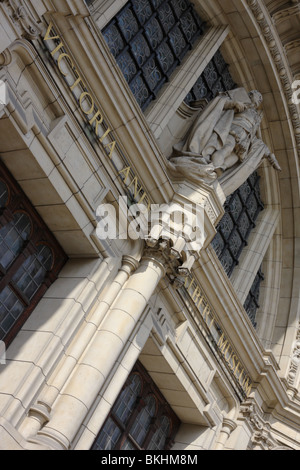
261	429
22	18
173	256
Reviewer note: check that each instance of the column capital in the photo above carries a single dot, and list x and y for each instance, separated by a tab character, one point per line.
229	425
129	264
172	256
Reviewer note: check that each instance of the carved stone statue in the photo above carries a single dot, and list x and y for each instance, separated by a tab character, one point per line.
223	136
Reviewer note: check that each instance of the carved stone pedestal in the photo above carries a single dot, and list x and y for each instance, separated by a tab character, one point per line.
208	197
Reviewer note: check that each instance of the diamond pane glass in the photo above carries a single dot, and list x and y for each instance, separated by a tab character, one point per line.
241	213
252	302
149	39
216	78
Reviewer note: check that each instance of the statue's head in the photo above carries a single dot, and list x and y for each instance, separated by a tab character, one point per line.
256	98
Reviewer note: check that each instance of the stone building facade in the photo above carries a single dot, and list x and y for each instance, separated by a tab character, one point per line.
157	343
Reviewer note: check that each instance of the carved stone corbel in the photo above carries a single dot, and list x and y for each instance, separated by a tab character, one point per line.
261	437
5	58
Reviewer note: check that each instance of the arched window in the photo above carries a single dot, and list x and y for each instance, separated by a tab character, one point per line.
149	39
30	257
140	419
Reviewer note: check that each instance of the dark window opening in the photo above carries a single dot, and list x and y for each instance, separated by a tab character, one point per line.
215	79
242	210
141	419
30	257
149	39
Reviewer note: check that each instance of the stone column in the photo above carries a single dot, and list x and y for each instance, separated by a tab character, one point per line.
95	365
228	427
40	413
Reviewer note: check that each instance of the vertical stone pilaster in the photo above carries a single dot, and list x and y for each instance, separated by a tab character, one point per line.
95	364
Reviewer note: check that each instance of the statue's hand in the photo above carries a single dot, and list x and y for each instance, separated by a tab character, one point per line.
273	160
237	138
240	107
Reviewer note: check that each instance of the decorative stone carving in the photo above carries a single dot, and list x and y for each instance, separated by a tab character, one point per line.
286	13
22	18
262	436
173	256
295	362
224	136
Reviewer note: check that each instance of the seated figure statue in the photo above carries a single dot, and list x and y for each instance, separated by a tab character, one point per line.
223	136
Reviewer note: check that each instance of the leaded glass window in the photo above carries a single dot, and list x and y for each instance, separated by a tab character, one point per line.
216	78
13	237
242	209
241	213
159	438
30	257
141	419
149	39
127	400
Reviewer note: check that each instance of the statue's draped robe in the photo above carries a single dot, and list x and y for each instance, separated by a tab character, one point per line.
213	126
213	119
